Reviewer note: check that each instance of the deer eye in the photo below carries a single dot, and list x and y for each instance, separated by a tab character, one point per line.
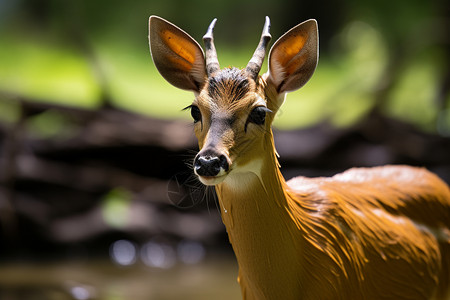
195	113
258	115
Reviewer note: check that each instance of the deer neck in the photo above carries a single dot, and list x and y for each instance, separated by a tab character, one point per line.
255	211
255	190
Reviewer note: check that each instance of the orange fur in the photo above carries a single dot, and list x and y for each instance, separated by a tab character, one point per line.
375	233
368	233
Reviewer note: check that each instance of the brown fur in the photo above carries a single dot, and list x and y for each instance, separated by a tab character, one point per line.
368	233
377	233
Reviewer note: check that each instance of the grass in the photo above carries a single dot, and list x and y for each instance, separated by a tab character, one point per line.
41	69
341	91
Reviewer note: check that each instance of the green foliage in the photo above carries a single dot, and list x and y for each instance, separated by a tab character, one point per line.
46	70
115	208
9	112
413	98
76	52
51	124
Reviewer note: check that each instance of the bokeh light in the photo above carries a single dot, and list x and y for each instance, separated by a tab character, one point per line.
123	252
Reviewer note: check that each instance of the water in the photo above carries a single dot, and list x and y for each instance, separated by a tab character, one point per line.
105	280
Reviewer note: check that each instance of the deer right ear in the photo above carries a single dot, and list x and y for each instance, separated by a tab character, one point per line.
177	56
293	58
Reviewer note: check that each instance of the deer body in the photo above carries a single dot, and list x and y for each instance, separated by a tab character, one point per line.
376	233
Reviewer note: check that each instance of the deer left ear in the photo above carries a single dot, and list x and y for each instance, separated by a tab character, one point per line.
293	58
177	56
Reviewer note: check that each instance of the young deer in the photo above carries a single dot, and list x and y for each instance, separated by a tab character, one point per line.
368	233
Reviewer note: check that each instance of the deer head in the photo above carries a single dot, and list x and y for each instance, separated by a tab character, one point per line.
233	109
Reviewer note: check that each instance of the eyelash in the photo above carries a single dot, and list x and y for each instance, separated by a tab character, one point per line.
257	116
195	112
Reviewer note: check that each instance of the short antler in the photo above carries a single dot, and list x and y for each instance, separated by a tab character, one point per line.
212	63
255	63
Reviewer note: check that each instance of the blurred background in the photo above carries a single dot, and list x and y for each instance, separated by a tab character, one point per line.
96	197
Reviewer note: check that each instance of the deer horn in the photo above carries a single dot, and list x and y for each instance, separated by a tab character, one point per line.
212	63
255	63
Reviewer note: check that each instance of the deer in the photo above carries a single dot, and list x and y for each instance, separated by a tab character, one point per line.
368	233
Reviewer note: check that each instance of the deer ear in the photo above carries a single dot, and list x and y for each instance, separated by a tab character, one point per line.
293	58
177	56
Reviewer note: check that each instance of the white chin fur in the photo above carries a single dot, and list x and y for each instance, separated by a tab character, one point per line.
213	180
254	167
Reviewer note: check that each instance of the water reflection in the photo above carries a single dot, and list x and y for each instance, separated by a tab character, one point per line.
212	278
79	292
123	252
157	254
191	252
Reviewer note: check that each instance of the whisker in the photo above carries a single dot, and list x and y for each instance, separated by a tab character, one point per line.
210	194
184	190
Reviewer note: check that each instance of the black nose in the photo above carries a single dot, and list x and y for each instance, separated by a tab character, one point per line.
210	165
